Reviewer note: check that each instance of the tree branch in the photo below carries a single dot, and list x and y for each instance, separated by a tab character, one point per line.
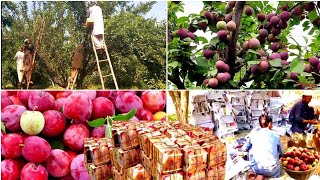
231	48
174	78
245	78
295	6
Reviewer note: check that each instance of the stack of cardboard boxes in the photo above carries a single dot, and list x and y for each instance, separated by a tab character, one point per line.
162	151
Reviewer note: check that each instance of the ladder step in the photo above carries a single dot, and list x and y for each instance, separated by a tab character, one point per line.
106	75
103	60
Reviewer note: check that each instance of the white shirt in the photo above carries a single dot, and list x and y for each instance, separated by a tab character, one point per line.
96	14
264	147
19	57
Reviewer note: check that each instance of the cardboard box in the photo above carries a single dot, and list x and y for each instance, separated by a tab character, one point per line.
126	159
173	176
196	176
102	172
195	159
137	172
216	173
125	138
217	153
97	151
167	157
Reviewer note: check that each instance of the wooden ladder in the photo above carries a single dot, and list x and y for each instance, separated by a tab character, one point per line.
71	84
102	77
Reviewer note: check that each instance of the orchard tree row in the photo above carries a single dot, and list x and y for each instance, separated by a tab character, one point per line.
136	44
251	45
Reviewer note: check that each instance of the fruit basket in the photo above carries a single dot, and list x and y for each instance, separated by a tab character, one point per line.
301	175
316	138
300	163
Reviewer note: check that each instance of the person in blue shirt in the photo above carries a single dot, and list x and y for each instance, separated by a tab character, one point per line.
265	149
302	114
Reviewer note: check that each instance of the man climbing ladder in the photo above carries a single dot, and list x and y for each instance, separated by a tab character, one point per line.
95	13
94	21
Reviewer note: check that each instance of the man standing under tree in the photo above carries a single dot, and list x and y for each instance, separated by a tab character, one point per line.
302	114
20	67
95	13
28	57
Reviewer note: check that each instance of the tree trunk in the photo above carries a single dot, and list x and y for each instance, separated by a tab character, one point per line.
181	101
231	51
184	106
83	71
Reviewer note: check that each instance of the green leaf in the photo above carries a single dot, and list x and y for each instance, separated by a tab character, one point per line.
306	28
97	122
174	50
304	80
125	117
312	15
201	61
108	132
306	74
311	31
188	39
253	62
182	19
296	66
275	63
259	4
252	51
214	41
61	109
233	83
288	80
173	64
3	127
293	47
305	39
253	35
175	41
277	76
57	144
221	46
202	39
213	72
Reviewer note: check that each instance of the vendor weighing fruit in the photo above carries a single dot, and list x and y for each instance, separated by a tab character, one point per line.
302	114
264	148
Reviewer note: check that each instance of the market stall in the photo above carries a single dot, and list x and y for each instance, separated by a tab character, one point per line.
233	115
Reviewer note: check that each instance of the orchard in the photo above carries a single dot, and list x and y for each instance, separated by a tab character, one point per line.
244	45
43	132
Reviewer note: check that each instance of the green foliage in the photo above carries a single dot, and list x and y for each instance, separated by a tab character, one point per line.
136	45
172	117
120	117
189	67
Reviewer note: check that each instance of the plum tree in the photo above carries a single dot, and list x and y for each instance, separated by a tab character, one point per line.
241	35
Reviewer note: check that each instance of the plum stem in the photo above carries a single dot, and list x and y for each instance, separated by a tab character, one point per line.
34	108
